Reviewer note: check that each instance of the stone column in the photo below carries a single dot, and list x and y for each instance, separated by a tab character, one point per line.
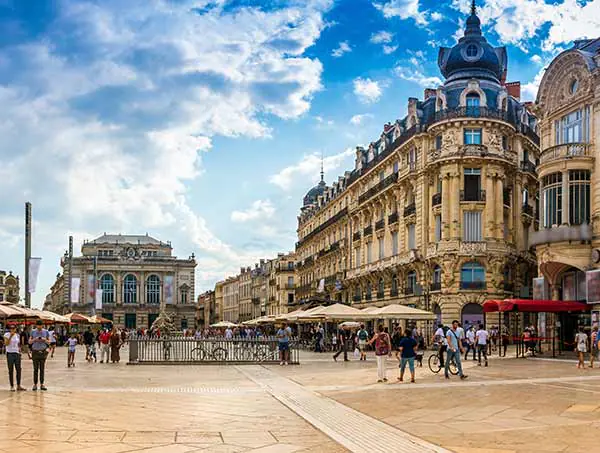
455	205
565	198
499	209
446	222
488	233
118	288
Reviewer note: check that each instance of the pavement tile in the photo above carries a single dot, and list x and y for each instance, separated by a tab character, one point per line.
149	437
278	448
97	436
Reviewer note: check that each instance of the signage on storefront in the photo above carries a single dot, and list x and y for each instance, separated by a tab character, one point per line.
592	279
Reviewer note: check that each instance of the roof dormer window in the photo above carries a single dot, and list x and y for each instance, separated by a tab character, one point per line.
472	51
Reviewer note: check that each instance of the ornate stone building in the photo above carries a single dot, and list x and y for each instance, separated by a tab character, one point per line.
282	275
231	299
136	274
9	287
206	309
568	106
438	210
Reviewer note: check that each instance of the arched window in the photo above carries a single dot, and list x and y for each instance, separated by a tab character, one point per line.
130	289
107	285
472	276
153	290
411	283
380	289
394	289
436	281
368	292
183	294
473	103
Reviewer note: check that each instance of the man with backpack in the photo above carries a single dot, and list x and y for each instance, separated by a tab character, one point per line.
363	337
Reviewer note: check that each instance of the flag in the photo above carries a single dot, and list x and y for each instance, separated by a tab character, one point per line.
75	284
321	288
34	269
168	289
98	299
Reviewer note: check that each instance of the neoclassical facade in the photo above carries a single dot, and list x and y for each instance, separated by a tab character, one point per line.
568	106
9	287
282	283
136	274
438	210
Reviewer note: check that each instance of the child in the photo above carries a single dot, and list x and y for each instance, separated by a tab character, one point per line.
92	353
72	344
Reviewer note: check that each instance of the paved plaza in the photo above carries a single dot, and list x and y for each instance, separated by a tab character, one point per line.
515	405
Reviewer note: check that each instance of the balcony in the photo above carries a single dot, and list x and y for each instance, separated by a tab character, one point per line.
530	134
436	199
472	195
332	248
471	112
391	179
379	225
528	167
368	297
410	210
392	218
566	151
409	291
368	231
474	150
435	286
256	300
335	218
380	294
473	286
563	233
356	298
289	286
356	236
527	210
394	292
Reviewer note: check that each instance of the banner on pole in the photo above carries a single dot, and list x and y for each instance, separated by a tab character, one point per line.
321	288
168	289
91	290
75	285
34	270
98	299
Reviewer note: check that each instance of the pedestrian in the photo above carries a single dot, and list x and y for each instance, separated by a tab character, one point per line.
104	345
439	339
343	334
505	339
228	333
52	335
455	349
396	339
39	341
470	343
88	340
363	337
594	337
115	345
482	340
283	338
12	342
72	345
408	346
581	347
383	345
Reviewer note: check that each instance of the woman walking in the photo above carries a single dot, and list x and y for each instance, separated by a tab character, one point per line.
581	347
72	344
115	345
383	345
12	341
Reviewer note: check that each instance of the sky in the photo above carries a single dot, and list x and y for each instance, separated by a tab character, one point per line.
203	122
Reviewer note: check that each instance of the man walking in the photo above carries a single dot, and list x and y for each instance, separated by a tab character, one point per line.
593	345
39	341
283	337
455	349
104	345
343	347
482	340
88	341
470	342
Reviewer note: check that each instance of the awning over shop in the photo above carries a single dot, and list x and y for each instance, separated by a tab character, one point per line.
533	306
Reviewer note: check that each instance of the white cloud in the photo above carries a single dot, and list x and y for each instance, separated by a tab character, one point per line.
389	49
382	37
366	90
142	91
357	120
259	210
536	59
404	9
435	16
309	167
342	48
414	75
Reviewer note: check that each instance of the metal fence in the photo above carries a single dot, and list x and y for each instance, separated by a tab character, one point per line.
171	350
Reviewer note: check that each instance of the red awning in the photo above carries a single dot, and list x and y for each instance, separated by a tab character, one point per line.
533	306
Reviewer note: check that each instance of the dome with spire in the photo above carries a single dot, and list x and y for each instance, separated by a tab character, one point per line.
313	194
473	56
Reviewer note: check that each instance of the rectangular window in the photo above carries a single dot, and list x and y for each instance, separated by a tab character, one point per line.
472	184
394	243
357	256
411	237
579	197
369	252
472	226
381	249
552	199
381	175
572	127
396	167
504	142
412	159
438	142
290	281
438	228
472	136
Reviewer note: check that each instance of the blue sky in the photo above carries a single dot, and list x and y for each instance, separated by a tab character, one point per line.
203	122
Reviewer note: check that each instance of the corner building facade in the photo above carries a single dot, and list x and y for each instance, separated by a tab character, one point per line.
568	105
438	211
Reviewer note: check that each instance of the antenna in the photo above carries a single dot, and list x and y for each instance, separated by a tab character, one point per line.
473	8
322	172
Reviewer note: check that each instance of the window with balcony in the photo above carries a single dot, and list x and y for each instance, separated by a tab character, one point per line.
552	199
290	282
411	282
394	287
472	276
412	159
436	280
472	231
472	137
396	166
472	184
369	252
473	103
411	237
579	197
357	294
394	243
381	175
381	248
438	228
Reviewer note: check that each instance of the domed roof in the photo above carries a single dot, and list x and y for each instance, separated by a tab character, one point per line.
313	194
472	56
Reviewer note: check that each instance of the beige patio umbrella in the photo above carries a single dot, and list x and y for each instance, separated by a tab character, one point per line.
396	311
224	324
335	311
290	315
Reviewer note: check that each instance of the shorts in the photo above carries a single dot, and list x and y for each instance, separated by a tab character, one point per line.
362	345
283	347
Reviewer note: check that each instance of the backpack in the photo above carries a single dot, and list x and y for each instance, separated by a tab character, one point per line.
382	346
362	335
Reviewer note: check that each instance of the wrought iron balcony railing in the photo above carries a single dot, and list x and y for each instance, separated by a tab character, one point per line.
392	218
379	225
472	195
436	199
368	230
391	179
528	167
410	209
473	286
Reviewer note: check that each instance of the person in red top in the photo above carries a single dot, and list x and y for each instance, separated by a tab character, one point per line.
104	345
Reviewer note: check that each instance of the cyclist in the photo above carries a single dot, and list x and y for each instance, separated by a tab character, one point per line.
439	339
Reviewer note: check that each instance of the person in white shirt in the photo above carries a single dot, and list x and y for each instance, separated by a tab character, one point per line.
470	343
581	347
52	338
228	334
12	341
482	341
439	338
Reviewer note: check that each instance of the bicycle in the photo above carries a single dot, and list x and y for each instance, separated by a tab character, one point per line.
203	353
435	366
